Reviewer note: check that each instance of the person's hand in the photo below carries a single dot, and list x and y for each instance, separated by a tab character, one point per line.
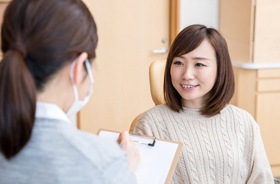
129	148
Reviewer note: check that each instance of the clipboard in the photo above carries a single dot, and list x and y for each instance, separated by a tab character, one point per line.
158	158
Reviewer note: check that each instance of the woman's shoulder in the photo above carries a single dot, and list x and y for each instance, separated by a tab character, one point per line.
155	113
76	141
158	110
68	146
240	115
153	120
88	148
236	110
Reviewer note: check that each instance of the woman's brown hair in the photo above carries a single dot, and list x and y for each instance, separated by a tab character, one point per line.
38	38
221	93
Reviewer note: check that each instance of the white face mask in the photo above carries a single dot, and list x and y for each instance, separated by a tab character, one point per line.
78	104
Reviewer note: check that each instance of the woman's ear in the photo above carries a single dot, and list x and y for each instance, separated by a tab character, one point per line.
79	70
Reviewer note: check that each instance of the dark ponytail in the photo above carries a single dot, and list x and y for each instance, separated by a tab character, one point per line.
38	38
17	105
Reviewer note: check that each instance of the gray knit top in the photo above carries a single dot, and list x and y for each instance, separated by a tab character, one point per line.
59	153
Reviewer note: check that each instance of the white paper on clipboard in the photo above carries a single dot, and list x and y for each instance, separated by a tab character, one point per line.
157	162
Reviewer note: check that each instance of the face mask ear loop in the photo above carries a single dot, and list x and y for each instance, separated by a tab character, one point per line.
76	94
91	79
88	67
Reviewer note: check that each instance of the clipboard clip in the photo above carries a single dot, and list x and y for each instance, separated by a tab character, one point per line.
148	144
149	141
152	144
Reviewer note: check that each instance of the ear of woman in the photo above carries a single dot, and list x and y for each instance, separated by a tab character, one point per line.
79	71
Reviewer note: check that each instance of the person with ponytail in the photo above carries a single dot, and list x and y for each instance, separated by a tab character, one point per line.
46	76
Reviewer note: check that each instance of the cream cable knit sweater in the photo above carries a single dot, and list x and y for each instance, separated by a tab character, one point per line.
224	149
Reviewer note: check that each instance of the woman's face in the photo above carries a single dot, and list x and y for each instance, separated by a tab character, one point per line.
193	74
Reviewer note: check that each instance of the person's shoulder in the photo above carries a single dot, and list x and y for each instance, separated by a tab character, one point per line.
241	114
155	115
63	145
84	143
152	120
236	110
159	107
158	110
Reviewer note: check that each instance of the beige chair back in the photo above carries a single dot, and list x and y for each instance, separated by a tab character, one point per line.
156	77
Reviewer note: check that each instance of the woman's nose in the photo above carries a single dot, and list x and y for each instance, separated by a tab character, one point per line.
188	73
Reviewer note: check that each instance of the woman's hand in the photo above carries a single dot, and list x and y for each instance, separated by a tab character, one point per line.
129	148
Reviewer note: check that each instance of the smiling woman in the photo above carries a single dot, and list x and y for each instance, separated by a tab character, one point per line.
194	74
196	42
222	143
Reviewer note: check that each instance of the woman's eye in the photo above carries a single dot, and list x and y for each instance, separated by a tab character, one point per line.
199	64
178	63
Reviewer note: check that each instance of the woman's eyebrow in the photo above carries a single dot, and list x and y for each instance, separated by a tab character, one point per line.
202	58
197	58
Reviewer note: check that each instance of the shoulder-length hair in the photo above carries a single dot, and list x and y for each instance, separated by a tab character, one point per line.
221	93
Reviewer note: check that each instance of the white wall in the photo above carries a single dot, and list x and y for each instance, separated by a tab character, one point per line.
199	12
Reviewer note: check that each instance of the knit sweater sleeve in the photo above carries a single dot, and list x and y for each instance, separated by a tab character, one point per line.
260	171
151	122
143	125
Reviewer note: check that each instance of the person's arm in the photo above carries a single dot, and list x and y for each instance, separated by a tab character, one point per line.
117	171
261	171
129	148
